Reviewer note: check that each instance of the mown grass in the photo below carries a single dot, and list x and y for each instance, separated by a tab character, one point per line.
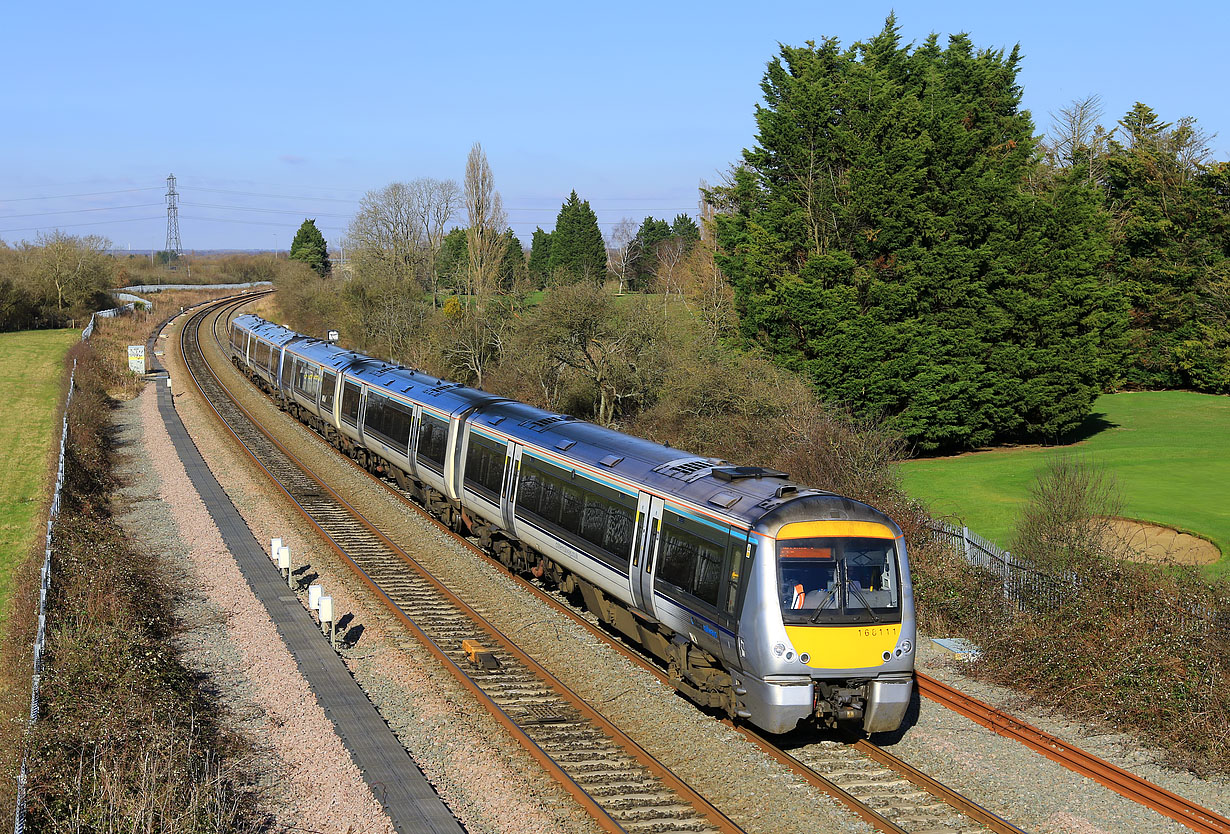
31	377
1168	451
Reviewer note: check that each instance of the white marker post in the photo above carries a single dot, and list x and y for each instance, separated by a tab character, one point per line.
314	592
326	616
274	544
284	562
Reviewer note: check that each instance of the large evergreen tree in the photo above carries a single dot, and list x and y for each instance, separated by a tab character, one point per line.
540	257
578	251
648	236
1172	251
513	268
881	240
309	246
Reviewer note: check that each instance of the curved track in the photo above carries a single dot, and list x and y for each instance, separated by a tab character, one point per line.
886	792
622	786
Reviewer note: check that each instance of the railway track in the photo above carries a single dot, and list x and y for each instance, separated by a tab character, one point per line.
883	791
886	792
618	782
1103	772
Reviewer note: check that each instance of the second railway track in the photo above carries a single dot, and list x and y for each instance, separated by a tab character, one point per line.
622	786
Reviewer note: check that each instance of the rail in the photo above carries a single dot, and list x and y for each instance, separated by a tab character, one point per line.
1075	759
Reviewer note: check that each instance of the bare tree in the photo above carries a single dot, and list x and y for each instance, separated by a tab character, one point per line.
72	269
1077	136
485	212
669	254
623	252
403	225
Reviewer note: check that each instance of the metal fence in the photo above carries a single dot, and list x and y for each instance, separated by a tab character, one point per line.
1024	587
19	823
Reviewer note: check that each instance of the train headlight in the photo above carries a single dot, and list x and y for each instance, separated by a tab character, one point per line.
906	646
779	649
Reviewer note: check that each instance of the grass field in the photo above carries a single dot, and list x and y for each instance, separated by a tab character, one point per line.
31	371
1169	453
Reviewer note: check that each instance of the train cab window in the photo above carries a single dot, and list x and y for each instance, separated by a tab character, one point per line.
692	556
839	579
433	439
389	420
327	388
485	460
350	403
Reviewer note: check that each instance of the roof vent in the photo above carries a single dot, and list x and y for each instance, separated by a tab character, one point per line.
565	445
612	460
686	469
725	500
543	423
735	473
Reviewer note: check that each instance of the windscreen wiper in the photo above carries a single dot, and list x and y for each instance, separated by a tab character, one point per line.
859	594
820	608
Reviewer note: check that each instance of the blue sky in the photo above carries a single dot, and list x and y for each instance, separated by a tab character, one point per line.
291	110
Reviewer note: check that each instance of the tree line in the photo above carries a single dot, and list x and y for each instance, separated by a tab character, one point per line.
900	237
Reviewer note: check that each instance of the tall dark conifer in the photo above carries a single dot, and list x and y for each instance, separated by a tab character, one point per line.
309	246
578	251
882	242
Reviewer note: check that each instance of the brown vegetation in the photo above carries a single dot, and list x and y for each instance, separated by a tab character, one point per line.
1144	647
127	739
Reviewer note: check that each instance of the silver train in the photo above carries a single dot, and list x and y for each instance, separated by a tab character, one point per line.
773	602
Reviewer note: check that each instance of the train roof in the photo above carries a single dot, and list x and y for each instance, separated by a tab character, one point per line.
267	330
748	494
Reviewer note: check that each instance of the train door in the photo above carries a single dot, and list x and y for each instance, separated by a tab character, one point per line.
512	466
645	551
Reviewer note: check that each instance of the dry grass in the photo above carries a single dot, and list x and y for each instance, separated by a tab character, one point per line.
127	739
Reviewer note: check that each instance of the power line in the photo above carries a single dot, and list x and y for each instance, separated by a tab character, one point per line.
78	211
75	225
266	210
275	196
87	194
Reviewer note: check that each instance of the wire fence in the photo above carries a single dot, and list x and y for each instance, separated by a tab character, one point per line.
19	823
1025	587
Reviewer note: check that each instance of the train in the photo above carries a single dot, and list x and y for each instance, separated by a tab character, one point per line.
775	603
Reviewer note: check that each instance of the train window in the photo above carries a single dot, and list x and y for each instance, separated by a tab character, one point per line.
692	556
485	465
307	378
735	568
284	376
433	438
327	389
350	403
389	420
237	338
595	517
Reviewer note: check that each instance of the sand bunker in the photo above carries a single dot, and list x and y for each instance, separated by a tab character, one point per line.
1154	543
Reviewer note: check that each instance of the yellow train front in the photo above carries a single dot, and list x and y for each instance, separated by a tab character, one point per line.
827	630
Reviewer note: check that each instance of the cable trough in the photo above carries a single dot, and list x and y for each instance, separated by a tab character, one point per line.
617	781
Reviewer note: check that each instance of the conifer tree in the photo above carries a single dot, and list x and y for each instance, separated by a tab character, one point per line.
882	240
540	257
309	246
578	250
